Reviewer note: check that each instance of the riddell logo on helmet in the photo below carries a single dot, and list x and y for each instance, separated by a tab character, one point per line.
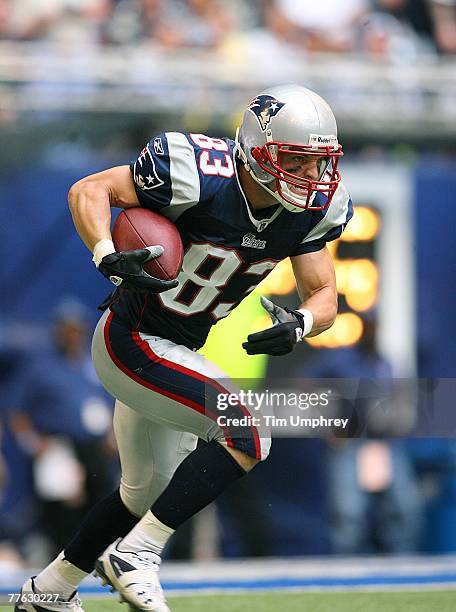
318	139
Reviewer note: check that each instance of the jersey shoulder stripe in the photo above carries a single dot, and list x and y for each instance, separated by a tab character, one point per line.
166	175
185	181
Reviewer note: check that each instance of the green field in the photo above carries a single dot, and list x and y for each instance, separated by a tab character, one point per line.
420	601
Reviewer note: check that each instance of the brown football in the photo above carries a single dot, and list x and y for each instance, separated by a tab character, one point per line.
136	228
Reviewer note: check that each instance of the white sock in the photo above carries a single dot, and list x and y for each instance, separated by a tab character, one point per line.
60	577
149	534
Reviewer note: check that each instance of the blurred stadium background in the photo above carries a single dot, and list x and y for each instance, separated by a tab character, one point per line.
84	84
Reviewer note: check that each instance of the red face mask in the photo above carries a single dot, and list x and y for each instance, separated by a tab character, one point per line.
304	169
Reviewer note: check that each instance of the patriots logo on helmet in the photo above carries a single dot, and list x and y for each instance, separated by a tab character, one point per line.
265	108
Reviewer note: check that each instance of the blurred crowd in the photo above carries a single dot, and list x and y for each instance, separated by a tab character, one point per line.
376	28
58	451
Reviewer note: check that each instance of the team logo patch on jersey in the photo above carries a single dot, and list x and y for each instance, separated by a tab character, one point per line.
249	240
144	174
265	108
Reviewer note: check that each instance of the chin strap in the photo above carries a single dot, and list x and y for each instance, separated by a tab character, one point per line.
239	151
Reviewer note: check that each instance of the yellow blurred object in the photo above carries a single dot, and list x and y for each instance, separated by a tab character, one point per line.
365	225
347	330
357	280
332	248
342	267
224	344
280	281
362	285
361	301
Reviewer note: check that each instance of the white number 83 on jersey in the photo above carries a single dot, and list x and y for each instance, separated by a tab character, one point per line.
207	288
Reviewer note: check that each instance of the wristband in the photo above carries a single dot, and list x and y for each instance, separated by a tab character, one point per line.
101	249
308	321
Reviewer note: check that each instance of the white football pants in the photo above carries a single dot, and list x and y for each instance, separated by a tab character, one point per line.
165	399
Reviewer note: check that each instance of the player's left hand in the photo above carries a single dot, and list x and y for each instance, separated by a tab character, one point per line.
280	339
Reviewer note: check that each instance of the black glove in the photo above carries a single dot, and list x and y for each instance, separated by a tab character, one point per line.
280	339
125	269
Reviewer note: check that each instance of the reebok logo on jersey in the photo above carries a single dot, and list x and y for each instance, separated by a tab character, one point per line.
158	146
265	108
249	240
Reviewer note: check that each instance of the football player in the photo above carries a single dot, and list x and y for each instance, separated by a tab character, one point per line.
240	207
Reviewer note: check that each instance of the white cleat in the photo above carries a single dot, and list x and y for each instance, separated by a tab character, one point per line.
134	576
31	600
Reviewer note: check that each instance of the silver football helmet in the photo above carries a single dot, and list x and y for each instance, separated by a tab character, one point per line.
290	121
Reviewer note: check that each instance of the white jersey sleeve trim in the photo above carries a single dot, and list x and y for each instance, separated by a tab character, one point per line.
184	176
335	216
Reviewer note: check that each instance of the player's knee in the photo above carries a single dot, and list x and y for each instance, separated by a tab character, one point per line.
135	499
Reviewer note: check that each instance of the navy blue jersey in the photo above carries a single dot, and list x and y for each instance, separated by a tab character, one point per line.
193	180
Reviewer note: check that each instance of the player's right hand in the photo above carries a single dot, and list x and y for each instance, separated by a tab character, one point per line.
125	269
